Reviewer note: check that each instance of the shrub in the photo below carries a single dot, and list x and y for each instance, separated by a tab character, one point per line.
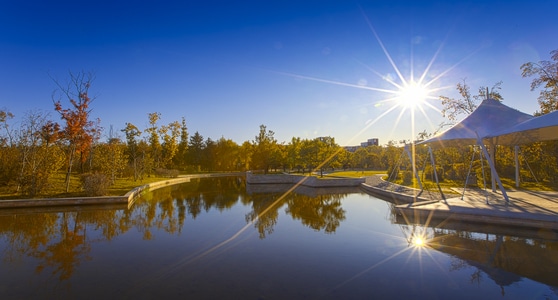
172	173
407	177
95	184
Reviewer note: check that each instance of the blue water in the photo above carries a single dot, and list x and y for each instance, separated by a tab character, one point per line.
211	239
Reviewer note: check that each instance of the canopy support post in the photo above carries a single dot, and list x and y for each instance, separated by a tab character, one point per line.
468	173
435	173
415	173
516	157
493	172
491	159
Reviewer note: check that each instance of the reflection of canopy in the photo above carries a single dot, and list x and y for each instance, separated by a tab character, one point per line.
537	129
490	116
505	259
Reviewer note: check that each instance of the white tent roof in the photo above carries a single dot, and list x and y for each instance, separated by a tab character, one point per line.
537	129
490	116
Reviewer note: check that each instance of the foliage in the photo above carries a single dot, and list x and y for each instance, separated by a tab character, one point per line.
79	131
453	108
171	173
111	158
95	184
132	150
170	134
153	138
546	76
265	148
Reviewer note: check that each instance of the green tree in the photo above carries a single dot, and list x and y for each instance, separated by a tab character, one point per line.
245	155
132	133
195	151
39	158
327	151
227	155
154	139
208	155
264	147
293	159
170	134
180	158
111	158
8	149
546	75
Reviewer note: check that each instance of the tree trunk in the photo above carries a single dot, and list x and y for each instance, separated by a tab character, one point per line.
70	162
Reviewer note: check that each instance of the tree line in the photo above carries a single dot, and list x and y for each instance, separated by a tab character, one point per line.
37	148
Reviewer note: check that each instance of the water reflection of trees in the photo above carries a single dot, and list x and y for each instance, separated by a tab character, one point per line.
61	239
319	211
323	212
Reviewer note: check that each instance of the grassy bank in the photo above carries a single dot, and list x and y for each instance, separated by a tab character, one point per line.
57	188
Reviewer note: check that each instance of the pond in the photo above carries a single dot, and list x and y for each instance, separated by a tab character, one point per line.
218	238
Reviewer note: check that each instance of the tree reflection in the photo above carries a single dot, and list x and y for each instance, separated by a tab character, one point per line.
323	212
265	211
64	255
61	240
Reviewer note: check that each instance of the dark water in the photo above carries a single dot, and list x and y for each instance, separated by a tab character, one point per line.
219	239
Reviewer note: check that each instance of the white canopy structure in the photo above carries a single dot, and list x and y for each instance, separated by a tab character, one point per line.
480	128
491	116
538	129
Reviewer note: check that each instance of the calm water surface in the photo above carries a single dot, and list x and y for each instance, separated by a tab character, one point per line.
220	239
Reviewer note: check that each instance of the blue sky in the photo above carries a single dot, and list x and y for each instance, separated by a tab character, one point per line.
302	68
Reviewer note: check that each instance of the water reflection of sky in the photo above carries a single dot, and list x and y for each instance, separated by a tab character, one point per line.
209	239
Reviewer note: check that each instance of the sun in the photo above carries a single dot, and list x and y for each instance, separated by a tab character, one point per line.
419	242
412	95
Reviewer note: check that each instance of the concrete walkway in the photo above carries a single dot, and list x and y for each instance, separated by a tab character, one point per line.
534	209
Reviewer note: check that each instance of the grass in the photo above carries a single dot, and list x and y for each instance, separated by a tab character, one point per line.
57	187
508	183
353	174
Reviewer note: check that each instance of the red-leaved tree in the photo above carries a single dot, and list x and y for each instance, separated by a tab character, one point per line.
79	132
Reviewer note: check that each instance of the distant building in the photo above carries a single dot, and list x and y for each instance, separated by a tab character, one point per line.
351	148
369	142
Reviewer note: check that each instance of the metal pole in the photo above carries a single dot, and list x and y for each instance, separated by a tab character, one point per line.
435	173
516	157
495	176
413	164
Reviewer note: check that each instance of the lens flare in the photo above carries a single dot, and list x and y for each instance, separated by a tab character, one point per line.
412	95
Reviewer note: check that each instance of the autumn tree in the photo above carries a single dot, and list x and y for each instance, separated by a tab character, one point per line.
169	148
153	138
8	149
180	157
111	157
245	155
39	156
264	147
293	159
79	131
132	133
546	76
226	155
327	151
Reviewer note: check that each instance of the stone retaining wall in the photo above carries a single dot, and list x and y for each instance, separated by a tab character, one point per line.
129	198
